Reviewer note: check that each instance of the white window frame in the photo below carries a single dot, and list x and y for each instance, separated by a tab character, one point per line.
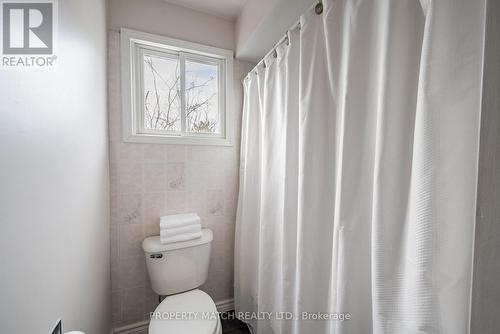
133	45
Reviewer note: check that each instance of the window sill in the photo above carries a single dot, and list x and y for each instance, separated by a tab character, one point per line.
177	140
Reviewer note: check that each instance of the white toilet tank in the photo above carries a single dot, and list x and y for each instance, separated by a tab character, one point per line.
177	267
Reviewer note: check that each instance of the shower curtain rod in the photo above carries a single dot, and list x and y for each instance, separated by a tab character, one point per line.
318	8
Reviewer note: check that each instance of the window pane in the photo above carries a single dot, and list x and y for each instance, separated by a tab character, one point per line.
202	98
162	100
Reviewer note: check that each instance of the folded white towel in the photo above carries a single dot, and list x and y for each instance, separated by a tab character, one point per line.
179	220
172	232
180	237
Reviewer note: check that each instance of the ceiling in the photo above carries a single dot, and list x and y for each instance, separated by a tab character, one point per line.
227	9
263	22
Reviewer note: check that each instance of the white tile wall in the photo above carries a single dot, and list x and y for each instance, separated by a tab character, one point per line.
150	180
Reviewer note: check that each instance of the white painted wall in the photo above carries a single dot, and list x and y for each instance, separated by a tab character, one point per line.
54	240
486	287
159	17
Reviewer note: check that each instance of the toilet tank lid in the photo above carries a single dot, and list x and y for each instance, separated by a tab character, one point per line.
153	244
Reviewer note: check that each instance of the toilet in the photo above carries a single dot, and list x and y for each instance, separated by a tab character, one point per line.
176	271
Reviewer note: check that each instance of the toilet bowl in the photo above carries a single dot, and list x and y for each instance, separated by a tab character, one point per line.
191	312
176	271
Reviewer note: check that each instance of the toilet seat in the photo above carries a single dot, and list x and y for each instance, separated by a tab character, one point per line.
192	312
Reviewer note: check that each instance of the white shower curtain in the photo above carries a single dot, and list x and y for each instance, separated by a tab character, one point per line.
358	171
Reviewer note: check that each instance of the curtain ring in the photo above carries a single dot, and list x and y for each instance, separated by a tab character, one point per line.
319	8
275	54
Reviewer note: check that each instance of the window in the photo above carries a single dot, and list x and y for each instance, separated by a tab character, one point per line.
175	91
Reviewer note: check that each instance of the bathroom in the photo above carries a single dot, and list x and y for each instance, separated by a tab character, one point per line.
250	166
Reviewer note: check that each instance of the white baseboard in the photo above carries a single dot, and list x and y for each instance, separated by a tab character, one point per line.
225	305
139	327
